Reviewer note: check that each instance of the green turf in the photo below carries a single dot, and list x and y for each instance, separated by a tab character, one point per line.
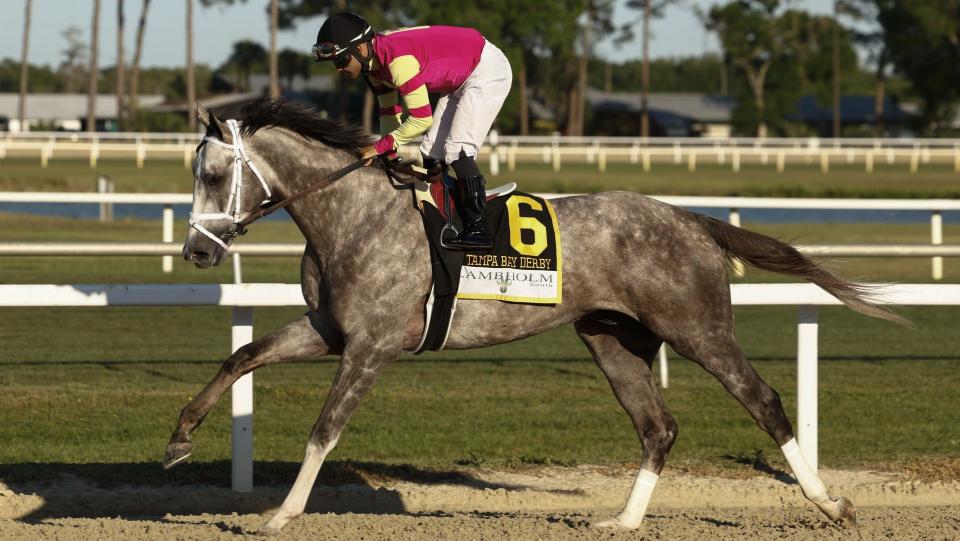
106	385
549	406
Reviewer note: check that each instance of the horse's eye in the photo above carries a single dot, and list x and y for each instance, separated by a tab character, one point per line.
213	180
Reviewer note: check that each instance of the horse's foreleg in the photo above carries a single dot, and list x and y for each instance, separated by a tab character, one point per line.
309	336
358	371
624	349
726	362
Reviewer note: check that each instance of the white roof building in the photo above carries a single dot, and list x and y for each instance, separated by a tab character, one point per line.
66	112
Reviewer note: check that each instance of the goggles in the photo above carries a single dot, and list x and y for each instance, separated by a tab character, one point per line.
331	51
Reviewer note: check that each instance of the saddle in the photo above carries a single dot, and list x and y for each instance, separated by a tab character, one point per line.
408	172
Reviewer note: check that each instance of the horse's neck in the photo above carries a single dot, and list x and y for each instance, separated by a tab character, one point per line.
351	214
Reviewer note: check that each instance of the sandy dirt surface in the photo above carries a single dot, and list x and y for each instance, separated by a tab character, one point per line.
547	503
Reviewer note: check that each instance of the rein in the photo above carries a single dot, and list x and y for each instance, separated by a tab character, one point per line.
238	226
325	181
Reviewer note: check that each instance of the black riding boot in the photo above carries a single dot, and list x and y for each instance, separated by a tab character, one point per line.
473	200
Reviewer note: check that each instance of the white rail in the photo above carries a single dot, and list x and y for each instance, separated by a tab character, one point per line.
807	297
66	249
550	149
936	207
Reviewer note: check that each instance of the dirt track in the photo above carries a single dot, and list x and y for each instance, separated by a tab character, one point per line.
551	503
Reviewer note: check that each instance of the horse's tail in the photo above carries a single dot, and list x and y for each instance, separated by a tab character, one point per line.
766	253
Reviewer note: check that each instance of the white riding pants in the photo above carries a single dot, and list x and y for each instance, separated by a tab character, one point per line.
462	119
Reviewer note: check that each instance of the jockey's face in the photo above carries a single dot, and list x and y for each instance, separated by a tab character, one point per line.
353	69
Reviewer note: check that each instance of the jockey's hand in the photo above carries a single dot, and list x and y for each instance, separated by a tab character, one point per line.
368	152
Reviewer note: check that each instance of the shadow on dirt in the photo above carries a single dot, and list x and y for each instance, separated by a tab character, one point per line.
139	490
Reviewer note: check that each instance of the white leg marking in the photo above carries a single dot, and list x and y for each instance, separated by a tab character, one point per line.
296	500
636	507
810	483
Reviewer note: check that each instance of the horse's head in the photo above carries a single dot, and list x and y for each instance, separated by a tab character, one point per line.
227	187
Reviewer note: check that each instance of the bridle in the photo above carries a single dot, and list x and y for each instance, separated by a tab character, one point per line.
237	224
232	213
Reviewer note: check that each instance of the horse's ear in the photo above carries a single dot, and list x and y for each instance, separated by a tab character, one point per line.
214	126
203	115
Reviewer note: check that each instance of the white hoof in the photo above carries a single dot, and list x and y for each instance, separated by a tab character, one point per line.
617	523
275	524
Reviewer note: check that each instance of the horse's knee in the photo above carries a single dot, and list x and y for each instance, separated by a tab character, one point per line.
657	440
234	363
771	417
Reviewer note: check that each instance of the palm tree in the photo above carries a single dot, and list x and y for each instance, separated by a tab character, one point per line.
246	54
274	72
24	71
92	86
191	89
291	63
135	69
120	67
644	110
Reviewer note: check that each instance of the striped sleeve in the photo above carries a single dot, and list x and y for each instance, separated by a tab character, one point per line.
389	102
405	71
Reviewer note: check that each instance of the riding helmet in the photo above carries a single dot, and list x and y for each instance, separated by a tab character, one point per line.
342	33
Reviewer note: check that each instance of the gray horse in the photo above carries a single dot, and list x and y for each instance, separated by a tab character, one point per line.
637	273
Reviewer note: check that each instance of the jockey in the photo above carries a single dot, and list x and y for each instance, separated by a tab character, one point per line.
472	76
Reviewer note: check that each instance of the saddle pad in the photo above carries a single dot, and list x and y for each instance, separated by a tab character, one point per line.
525	264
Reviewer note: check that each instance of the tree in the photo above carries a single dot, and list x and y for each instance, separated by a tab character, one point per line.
24	68
93	73
72	70
651	9
874	40
246	54
922	40
191	81
274	10
749	34
120	67
135	68
274	68
290	64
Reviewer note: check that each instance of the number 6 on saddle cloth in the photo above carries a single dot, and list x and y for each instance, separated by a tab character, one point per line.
525	264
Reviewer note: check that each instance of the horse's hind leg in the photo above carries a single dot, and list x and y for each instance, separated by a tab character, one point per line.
624	349
722	357
307	337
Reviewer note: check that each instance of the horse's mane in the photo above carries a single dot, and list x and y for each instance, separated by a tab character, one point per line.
302	119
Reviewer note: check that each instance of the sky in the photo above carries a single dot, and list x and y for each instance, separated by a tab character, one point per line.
677	33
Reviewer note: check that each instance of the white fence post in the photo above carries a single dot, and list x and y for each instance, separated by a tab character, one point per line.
141	153
738	269
94	152
807	383
241	399
556	152
494	153
663	366
105	185
936	237
167	236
